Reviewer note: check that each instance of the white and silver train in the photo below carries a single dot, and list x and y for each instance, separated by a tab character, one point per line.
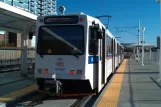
74	53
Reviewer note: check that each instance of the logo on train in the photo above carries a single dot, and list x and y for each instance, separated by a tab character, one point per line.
59	64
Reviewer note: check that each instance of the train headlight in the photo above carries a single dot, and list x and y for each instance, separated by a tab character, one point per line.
77	72
39	70
72	72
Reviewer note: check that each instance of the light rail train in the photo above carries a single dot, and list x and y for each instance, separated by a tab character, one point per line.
74	53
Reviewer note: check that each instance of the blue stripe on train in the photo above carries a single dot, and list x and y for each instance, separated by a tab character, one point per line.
92	59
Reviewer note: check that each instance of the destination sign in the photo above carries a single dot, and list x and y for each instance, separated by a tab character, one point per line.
61	20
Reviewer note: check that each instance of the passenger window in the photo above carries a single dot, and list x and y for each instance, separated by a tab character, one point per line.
93	42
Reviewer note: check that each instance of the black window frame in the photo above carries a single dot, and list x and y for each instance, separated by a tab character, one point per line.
38	39
109	44
90	53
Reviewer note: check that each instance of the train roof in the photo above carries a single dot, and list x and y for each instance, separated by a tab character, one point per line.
109	34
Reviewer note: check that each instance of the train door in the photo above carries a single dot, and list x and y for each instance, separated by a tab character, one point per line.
103	53
114	55
96	50
101	62
113	66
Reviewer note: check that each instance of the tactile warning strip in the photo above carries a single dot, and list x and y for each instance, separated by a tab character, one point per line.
112	92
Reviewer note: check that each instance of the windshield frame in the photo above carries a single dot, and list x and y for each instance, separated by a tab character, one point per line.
38	39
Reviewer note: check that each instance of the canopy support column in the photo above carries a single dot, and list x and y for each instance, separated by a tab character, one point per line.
24	52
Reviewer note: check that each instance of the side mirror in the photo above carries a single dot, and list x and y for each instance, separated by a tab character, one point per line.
30	35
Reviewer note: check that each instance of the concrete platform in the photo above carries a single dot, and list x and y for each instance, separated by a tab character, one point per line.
132	85
13	86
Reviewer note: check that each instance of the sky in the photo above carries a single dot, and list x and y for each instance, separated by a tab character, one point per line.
125	13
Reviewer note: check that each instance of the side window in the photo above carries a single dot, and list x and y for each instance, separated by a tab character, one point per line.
109	46
120	50
112	46
110	51
93	42
117	49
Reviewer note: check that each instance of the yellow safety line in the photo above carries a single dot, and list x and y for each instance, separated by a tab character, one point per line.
17	93
111	95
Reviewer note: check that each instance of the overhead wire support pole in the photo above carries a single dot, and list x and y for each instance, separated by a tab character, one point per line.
159	80
142	58
138	49
139	33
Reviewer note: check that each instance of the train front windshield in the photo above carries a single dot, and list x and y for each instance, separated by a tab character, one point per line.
61	40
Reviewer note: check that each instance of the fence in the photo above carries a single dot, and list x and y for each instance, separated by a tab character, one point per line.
10	60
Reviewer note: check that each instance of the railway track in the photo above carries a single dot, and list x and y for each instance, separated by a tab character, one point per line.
44	100
79	102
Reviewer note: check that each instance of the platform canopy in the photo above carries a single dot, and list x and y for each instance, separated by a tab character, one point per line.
13	19
136	45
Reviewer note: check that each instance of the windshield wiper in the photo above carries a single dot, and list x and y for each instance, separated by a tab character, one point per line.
74	51
41	55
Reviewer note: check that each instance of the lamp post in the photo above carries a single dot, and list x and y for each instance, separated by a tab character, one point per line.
159	80
142	58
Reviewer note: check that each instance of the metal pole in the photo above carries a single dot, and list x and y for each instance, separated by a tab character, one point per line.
137	48
159	80
139	36
142	61
150	52
22	52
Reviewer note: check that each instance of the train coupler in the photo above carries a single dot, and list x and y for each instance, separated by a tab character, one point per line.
54	89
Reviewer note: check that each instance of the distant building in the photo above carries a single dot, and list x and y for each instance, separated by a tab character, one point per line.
158	41
42	7
36	7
